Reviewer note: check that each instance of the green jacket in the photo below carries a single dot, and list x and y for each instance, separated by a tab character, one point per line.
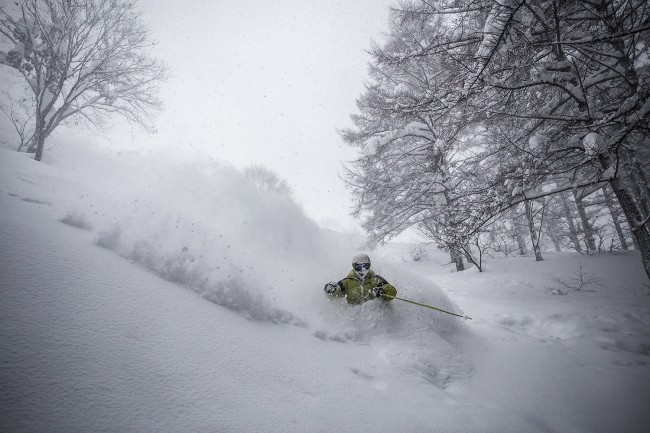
358	292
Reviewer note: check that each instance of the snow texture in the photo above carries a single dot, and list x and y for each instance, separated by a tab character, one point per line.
591	143
108	262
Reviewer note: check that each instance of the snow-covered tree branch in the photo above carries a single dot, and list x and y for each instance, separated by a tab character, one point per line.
475	107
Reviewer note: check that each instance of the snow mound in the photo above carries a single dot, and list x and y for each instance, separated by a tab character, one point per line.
91	342
205	226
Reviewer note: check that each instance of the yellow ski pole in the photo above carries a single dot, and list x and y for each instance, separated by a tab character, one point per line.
427	306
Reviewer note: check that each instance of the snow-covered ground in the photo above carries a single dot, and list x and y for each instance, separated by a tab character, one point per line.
143	294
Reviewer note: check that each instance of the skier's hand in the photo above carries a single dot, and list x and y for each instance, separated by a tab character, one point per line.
378	292
330	288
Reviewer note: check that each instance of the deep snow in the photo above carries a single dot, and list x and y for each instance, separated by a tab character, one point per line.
108	261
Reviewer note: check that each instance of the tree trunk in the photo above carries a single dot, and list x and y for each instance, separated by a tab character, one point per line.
457	258
637	181
456	255
39	135
518	234
521	242
614	214
573	232
637	220
533	233
39	149
551	234
587	229
644	185
476	261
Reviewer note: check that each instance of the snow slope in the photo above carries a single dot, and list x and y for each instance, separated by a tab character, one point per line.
108	262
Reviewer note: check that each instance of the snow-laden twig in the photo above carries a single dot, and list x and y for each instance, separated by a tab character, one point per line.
579	281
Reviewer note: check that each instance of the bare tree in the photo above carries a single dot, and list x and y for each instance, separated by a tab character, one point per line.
86	58
267	180
418	251
20	112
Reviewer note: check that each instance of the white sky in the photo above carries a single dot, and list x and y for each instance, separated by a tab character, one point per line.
266	82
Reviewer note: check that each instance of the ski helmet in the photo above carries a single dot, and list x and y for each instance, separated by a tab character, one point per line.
361	258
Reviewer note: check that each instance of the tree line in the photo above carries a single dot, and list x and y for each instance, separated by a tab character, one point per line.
496	123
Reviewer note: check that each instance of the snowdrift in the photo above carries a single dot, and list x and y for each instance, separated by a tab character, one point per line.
98	331
204	226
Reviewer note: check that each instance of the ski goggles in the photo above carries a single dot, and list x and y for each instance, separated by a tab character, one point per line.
360	266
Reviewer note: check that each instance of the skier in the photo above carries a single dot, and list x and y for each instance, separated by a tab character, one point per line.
361	284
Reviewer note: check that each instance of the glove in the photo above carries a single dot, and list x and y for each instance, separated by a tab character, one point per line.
330	288
378	291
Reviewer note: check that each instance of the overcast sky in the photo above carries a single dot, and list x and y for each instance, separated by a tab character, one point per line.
266	82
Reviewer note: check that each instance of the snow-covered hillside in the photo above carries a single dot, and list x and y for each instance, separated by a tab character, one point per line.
108	261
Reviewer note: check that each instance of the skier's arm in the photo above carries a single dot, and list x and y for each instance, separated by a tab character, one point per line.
335	289
388	291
